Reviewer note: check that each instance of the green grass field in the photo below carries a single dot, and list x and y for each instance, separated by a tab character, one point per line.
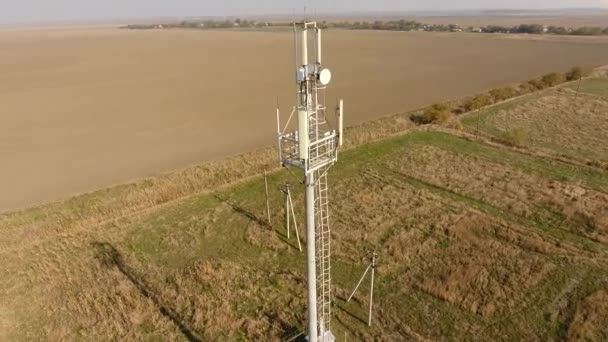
460	256
561	122
595	86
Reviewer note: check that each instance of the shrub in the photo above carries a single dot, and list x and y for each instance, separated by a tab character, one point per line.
577	73
558	30
501	94
477	102
517	136
529	28
496	29
437	113
526	88
455	124
537	84
552	79
574	74
587	31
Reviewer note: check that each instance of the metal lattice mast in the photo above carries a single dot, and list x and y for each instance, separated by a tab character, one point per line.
313	148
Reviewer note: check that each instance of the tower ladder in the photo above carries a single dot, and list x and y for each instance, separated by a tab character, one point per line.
323	250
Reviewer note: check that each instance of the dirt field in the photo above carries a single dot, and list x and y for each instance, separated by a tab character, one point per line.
83	109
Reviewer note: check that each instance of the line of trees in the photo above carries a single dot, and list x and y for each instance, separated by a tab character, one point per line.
201	24
442	112
540	29
410	25
392	25
395	25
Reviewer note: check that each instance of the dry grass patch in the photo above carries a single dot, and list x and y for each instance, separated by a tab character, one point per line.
373	210
479	274
210	267
562	121
591	319
581	210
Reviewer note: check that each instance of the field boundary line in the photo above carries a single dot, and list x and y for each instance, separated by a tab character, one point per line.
495	142
538	92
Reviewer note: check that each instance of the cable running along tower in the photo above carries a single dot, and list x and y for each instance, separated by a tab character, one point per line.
312	147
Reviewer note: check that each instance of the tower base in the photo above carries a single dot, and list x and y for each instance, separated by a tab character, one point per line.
329	337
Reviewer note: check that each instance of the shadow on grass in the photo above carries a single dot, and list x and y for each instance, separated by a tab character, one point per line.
290	332
287	241
343	309
242	211
109	256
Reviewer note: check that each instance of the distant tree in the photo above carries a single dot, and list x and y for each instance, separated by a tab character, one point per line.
560	30
496	29
605	31
477	102
501	94
553	79
587	31
437	113
536	84
526	88
529	28
574	74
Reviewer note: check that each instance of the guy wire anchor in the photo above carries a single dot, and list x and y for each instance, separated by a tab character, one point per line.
290	214
371	266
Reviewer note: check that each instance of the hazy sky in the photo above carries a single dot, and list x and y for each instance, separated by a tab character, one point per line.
16	11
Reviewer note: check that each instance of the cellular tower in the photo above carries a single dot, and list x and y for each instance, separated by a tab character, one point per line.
313	147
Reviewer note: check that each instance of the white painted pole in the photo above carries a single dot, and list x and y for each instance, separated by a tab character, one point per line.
267	199
313	333
296	60
278	121
279	133
319	45
371	292
359	283
295	224
341	123
305	46
287	210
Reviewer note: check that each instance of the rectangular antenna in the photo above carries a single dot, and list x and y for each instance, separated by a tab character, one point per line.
341	123
319	45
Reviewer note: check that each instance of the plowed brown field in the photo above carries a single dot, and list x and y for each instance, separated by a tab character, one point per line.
83	109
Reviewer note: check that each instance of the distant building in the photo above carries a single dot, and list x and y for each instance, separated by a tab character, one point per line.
477	29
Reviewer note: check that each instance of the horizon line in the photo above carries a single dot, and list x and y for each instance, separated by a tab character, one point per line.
430	13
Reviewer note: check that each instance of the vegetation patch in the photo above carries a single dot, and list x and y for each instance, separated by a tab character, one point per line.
475	241
590	322
561	122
